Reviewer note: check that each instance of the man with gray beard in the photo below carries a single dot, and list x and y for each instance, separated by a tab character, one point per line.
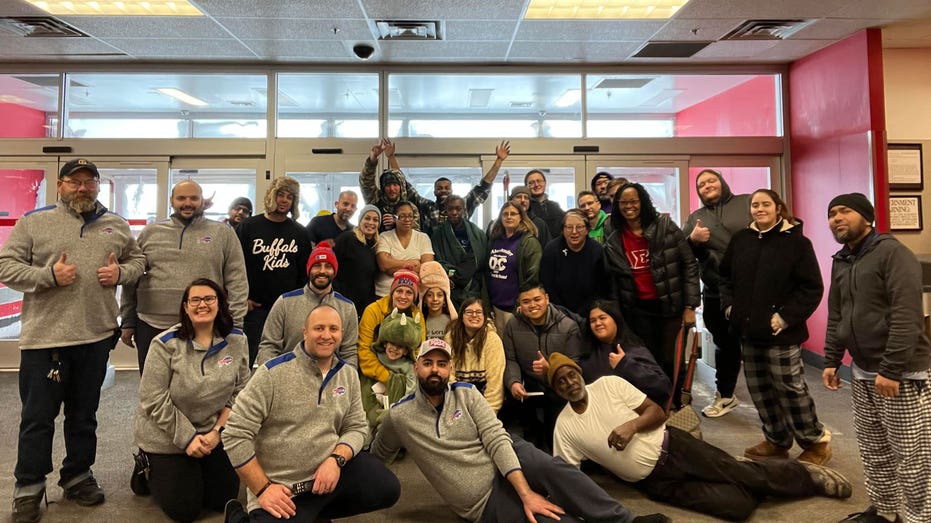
179	250
67	260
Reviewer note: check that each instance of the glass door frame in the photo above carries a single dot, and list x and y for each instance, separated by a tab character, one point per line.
680	163
521	163
159	163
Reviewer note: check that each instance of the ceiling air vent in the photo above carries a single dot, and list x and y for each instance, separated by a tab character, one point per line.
39	27
408	30
670	49
767	29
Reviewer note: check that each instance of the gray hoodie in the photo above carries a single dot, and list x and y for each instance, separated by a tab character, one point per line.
176	254
729	214
185	386
290	417
285	324
83	312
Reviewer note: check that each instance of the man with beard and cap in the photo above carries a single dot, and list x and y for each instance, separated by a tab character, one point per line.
709	230
875	314
600	189
276	249
465	453
286	319
327	228
459	245
185	247
239	210
615	425
540	204
67	260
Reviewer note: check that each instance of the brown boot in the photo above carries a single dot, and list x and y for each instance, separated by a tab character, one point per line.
819	454
766	450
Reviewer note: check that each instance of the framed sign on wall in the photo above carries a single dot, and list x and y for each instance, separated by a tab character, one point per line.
905	213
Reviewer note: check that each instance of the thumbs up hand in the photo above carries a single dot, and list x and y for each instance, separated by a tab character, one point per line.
540	365
64	272
109	274
615	357
700	234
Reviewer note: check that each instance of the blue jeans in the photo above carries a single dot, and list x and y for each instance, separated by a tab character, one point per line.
81	369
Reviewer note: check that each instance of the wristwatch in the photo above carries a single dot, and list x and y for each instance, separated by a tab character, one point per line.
340	461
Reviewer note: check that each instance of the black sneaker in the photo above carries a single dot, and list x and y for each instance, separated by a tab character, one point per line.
653	518
139	481
26	508
86	493
869	515
234	512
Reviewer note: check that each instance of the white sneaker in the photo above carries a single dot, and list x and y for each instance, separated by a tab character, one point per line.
720	406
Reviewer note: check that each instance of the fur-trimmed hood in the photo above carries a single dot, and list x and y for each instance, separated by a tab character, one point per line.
285	183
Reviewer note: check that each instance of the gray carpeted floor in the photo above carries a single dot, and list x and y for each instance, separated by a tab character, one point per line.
419	501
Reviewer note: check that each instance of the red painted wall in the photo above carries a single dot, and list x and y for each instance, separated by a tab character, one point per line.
21	122
835	114
748	109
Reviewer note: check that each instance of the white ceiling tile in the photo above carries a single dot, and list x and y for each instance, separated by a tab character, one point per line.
443	9
886	9
479	30
305	49
297	29
588	30
478	51
791	50
198	48
281	8
835	29
592	52
17	8
736	48
15	47
705	29
757	9
147	26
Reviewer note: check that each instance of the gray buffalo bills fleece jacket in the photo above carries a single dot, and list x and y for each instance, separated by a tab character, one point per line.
176	254
185	386
290	417
83	312
459	447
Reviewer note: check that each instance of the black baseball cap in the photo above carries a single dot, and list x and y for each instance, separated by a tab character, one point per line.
76	165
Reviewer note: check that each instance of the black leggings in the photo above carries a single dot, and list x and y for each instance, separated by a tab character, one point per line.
183	486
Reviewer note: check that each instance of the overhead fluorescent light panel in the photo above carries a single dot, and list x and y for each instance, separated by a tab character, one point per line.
182	96
602	9
569	98
117	7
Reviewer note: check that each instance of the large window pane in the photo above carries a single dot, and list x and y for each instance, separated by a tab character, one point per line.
29	105
166	106
662	183
560	185
319	192
463	178
663	105
330	105
482	106
221	187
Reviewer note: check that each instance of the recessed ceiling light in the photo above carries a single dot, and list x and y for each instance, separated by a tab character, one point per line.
602	9
569	98
118	7
182	96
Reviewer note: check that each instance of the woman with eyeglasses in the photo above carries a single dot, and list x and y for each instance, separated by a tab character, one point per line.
401	248
478	353
572	266
513	261
192	375
652	273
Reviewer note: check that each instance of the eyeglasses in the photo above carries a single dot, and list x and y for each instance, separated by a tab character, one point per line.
469	312
197	300
405	216
629	203
91	183
510	214
574	228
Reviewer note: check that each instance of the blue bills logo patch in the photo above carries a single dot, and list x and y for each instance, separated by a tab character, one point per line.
106	230
205	240
456	415
339	391
225	361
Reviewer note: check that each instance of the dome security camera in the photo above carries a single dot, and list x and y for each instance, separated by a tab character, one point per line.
363	51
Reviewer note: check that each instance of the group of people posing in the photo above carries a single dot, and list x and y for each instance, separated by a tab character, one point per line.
418	333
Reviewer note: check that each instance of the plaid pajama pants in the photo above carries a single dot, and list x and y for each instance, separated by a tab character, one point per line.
776	380
894	435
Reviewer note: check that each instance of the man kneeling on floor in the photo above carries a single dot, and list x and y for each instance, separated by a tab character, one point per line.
465	453
295	433
613	424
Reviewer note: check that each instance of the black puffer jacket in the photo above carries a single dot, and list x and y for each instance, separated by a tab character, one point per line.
769	272
674	269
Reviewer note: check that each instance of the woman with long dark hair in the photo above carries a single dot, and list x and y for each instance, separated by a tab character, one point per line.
192	375
652	273
770	286
513	261
614	349
478	353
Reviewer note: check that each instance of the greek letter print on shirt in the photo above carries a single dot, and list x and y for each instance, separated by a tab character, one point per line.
637	250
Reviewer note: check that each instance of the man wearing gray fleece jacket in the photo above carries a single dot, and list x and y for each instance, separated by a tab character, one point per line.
67	260
179	250
296	431
465	453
